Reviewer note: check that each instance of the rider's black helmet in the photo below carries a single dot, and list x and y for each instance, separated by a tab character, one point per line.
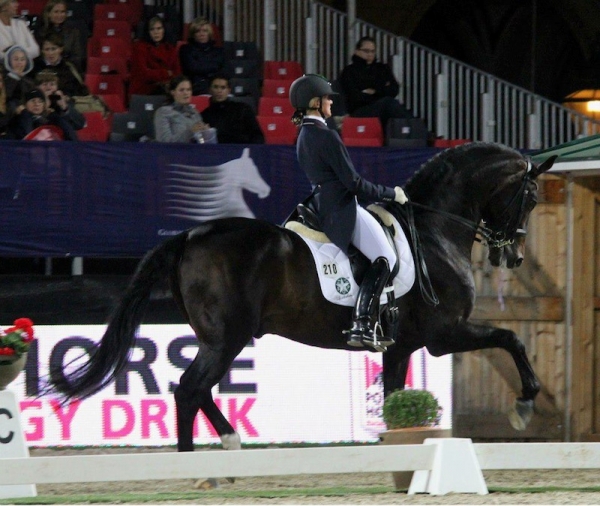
307	87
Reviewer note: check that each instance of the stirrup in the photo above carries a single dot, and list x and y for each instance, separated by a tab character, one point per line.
379	342
358	333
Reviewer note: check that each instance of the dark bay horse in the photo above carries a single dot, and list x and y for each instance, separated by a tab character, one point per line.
239	278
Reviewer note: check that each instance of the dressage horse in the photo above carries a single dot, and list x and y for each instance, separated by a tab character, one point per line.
235	279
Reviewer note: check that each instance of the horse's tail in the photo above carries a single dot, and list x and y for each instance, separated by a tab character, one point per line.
110	356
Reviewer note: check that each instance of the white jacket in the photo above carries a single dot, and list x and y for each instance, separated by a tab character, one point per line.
18	34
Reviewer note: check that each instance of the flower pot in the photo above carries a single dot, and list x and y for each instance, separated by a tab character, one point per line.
10	369
410	436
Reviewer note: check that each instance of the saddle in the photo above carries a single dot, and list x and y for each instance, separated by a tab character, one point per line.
306	214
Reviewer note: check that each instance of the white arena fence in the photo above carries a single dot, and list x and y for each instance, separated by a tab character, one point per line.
442	465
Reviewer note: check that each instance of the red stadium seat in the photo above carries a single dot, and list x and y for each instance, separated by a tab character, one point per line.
272	106
108	65
135	7
112	47
114	102
96	128
118	11
106	84
449	143
31	7
287	69
200	102
278	129
112	28
276	88
362	132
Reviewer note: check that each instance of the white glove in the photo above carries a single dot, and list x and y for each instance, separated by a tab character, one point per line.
400	196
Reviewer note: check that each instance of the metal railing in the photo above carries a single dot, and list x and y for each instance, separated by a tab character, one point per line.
455	100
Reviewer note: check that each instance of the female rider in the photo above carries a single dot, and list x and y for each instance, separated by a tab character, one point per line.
326	162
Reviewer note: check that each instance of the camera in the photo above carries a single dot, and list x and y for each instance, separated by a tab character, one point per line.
54	98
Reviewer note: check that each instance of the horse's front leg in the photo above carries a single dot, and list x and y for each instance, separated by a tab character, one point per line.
470	337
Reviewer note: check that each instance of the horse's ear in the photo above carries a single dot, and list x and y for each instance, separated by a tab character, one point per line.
544	166
246	153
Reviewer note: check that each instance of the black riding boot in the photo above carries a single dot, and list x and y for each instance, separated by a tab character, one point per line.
368	302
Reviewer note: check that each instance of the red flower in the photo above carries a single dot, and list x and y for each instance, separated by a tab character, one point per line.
26	325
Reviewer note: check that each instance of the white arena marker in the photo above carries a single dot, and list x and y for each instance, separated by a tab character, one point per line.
455	469
12	443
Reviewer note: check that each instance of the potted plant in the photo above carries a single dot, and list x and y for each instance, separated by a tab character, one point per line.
411	416
14	344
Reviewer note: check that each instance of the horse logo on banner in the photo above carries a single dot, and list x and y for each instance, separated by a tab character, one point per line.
201	193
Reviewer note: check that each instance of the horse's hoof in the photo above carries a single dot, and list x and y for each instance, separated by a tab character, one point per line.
208	484
520	414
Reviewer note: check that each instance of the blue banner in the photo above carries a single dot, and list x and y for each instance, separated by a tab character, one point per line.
121	199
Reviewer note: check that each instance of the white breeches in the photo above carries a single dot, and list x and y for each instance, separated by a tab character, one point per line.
370	239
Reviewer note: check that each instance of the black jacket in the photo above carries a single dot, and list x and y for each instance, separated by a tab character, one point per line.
235	122
200	62
325	160
359	76
22	124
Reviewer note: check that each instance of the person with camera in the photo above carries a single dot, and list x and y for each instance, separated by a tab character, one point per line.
36	114
57	101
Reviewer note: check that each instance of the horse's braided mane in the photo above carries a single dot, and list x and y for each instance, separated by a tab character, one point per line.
448	163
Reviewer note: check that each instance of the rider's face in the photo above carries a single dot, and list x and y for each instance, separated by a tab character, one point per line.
326	103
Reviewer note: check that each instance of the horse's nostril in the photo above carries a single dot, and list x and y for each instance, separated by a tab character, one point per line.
518	262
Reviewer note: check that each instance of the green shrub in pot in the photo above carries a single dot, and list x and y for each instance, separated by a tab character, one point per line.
411	408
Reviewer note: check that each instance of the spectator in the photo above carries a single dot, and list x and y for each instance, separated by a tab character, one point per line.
52	58
179	121
370	87
200	58
16	80
54	20
35	115
154	61
3	112
57	101
15	32
235	121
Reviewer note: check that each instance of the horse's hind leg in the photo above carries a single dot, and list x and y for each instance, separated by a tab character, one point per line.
194	393
470	337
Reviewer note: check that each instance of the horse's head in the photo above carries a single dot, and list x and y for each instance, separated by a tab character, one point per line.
244	172
507	213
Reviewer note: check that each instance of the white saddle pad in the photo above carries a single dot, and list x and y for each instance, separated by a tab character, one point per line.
335	275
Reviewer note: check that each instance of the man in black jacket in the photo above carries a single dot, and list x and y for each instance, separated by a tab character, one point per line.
235	121
370	87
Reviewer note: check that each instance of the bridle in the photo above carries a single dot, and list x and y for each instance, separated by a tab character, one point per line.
507	235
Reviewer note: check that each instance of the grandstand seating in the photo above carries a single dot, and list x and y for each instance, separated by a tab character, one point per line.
362	132
236	50
96	128
31	7
200	102
112	28
114	47
118	11
114	102
286	69
105	84
244	87
276	88
129	126
273	106
278	129
243	68
108	65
